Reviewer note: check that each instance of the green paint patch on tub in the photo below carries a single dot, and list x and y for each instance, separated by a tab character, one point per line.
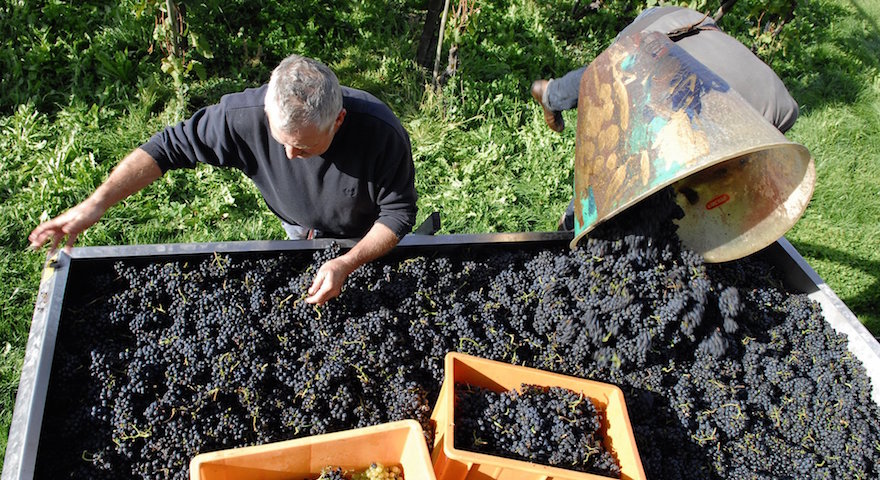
588	211
664	170
639	139
657	124
643	135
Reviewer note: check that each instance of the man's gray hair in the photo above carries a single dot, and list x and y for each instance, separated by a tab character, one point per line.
303	91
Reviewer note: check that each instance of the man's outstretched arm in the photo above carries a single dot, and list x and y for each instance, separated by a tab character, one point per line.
136	171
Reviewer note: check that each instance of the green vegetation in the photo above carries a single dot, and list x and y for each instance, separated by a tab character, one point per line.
836	82
81	84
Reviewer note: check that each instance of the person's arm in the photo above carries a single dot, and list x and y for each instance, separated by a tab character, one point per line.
332	275
136	171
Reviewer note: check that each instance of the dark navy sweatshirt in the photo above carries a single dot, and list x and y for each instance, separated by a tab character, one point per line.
365	176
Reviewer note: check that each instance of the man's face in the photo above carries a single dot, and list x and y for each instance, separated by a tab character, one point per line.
306	141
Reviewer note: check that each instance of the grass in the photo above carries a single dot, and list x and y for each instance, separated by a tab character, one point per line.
839	92
844	214
71	108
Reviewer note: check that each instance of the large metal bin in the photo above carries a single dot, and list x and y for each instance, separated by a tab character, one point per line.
24	433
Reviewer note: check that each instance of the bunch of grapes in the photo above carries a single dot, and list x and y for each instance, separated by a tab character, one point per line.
552	426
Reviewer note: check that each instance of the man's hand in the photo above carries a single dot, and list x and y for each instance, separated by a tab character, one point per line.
329	280
70	224
136	171
332	275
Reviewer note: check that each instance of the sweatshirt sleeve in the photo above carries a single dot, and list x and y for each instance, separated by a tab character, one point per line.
397	191
206	137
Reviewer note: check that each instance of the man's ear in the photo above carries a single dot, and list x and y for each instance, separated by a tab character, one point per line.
339	118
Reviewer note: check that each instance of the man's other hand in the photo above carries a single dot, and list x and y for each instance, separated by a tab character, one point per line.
328	281
69	224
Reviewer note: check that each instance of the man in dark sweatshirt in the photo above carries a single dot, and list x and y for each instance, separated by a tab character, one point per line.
328	160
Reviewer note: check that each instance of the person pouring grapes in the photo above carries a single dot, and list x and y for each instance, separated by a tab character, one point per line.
698	35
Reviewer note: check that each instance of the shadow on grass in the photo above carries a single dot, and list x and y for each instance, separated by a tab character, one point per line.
868	18
831	62
865	305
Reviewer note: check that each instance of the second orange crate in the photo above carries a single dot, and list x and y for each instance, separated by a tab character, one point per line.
451	463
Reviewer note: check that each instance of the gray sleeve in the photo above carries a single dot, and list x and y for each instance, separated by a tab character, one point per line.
746	73
729	59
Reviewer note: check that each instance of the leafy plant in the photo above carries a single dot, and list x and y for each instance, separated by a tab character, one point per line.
179	43
55	50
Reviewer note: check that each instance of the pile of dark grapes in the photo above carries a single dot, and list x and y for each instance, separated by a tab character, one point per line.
725	373
551	426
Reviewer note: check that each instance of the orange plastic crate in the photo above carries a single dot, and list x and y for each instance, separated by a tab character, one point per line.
454	464
400	443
